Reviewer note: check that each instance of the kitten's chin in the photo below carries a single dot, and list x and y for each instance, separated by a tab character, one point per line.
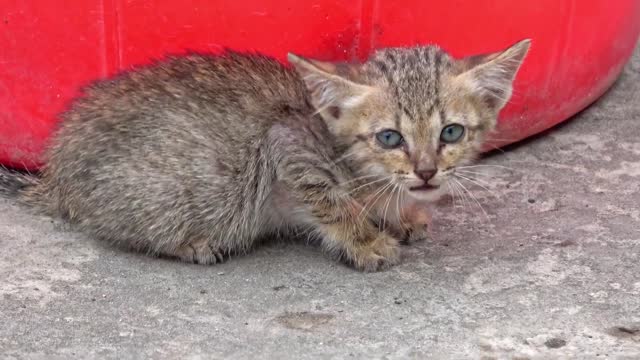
428	195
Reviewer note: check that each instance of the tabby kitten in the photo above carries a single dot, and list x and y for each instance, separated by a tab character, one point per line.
198	157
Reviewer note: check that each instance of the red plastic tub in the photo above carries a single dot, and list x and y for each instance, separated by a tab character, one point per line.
48	49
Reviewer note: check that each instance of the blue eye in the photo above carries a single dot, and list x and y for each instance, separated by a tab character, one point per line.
452	133
389	139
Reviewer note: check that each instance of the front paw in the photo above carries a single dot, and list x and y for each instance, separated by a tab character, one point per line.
417	225
380	253
415	233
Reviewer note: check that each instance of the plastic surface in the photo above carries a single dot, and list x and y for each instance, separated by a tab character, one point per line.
49	50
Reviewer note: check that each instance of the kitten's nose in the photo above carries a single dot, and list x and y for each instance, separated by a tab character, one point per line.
426	174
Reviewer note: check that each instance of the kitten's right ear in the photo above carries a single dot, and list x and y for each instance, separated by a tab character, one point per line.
491	76
330	92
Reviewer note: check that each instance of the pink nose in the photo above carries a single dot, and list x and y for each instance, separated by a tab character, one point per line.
426	174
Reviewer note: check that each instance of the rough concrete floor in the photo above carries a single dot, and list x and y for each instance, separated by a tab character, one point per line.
551	271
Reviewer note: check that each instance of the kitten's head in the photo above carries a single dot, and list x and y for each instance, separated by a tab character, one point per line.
412	115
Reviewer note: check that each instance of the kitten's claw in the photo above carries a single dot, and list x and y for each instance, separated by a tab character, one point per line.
218	254
416	233
380	254
200	252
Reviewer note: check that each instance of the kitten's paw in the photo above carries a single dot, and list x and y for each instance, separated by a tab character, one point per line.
415	233
379	254
199	252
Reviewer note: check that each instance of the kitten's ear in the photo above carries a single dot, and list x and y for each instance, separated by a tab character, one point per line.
331	92
491	76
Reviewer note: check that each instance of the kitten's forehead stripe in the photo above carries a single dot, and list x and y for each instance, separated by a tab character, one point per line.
382	67
443	118
414	77
436	84
405	110
398	116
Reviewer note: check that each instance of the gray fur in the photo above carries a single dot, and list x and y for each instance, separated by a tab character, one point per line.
13	182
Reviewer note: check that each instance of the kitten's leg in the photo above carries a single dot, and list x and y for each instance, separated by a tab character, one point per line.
415	233
354	239
408	220
418	223
338	219
199	252
318	201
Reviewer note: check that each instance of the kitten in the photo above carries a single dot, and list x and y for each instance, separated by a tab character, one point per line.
199	157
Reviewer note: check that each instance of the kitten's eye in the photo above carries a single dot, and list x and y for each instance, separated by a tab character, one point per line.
452	133
389	139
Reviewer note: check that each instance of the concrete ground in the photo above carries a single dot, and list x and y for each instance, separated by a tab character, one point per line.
551	271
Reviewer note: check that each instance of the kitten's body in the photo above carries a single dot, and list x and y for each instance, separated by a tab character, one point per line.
193	154
199	156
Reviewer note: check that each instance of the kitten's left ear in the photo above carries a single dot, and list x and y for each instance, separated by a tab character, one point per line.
491	76
330	90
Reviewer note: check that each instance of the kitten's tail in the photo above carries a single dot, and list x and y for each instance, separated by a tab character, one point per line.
12	182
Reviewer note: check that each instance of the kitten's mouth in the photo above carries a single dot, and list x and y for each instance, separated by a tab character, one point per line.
424	187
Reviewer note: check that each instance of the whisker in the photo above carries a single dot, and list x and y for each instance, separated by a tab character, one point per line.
359	178
386	208
498	139
487	165
374	198
454	194
362	177
461	195
368	184
467	176
473	172
450	192
474	198
494	147
400	206
374	201
475	182
345	156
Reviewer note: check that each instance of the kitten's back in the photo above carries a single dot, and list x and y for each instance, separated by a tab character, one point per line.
230	82
141	158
